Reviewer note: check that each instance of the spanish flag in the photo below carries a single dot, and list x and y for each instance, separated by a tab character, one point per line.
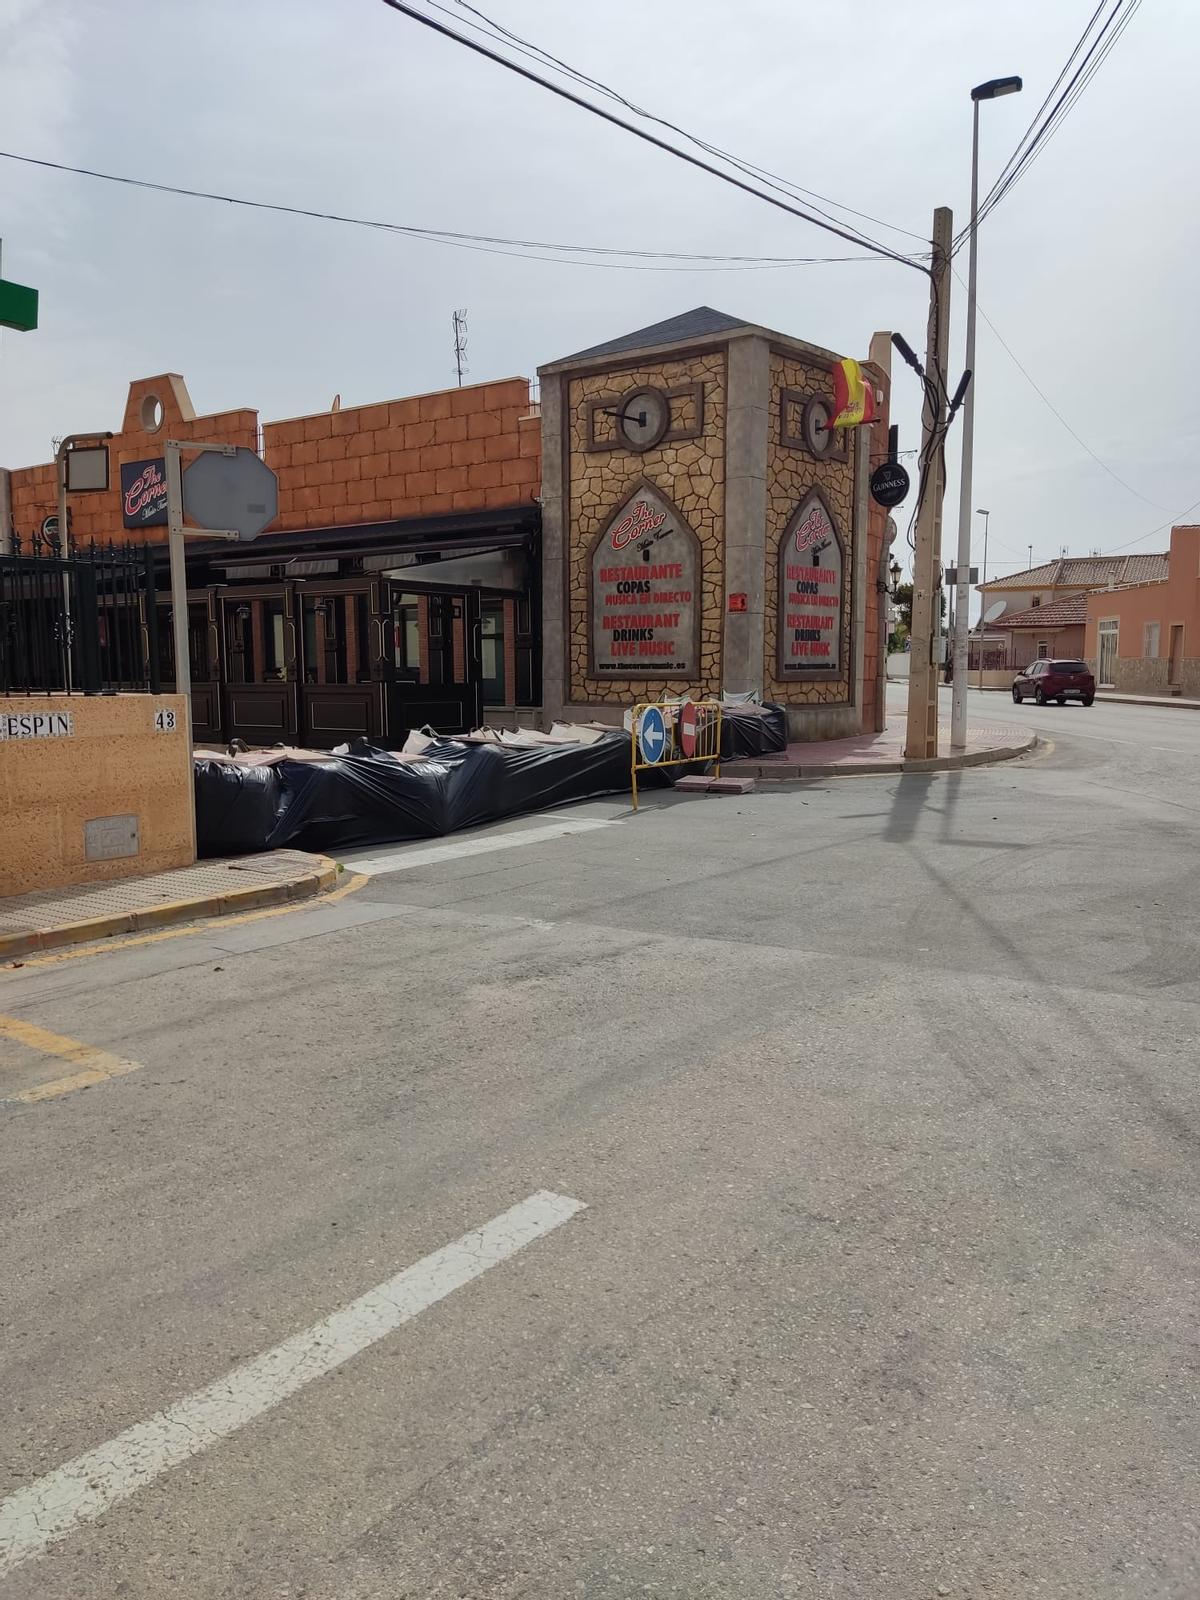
853	396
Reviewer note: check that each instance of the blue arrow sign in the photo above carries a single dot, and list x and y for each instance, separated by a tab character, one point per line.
652	735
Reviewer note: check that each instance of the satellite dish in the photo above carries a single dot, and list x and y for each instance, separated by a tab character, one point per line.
994	610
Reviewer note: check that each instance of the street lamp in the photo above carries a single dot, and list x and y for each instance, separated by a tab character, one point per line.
992	90
980	512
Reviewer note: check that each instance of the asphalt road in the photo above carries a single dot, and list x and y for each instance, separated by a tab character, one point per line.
881	1098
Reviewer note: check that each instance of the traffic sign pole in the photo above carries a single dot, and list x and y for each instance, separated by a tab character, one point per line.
179	601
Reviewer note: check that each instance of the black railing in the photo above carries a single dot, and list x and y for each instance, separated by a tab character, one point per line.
83	622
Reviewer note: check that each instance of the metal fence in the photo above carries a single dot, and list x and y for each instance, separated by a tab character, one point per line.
83	621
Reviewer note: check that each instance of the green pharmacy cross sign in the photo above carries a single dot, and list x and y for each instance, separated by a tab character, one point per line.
18	306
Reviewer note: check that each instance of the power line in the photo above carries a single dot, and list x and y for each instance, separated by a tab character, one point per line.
1046	401
489	244
649	138
1042	128
1175	521
534	51
1067	102
1079	43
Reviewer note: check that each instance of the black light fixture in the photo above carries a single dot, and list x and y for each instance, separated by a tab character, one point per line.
995	87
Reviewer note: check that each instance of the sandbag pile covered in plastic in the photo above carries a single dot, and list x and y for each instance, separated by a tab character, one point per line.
363	795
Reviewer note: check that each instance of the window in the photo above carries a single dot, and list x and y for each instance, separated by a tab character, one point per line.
1035	602
274	665
197	638
1150	639
1107	631
406	630
1043	649
324	624
492	652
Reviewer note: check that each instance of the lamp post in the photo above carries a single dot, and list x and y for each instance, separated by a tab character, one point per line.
980	512
992	90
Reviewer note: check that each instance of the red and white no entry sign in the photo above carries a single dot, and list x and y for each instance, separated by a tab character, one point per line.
689	728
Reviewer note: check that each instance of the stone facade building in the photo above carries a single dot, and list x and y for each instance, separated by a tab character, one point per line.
705	531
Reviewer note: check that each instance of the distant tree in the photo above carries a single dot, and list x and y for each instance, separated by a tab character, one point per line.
904	597
903	600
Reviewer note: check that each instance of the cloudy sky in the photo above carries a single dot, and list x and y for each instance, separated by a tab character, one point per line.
1088	269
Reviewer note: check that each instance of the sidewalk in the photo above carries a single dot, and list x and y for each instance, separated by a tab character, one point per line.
883	753
49	918
1174	702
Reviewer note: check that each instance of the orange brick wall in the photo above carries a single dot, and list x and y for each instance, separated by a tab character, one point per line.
470	449
98	515
458	450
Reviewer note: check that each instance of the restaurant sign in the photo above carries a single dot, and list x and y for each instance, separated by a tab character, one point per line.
144	493
810	592
645	571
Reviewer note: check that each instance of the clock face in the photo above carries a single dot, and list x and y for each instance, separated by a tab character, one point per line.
643	418
817	434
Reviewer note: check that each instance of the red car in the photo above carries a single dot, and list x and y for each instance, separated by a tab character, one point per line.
1055	680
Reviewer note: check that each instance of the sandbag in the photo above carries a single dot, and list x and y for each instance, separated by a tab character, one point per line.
752	730
373	796
236	807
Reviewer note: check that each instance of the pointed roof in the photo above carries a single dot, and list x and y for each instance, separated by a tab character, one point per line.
1065	613
700	323
1087	572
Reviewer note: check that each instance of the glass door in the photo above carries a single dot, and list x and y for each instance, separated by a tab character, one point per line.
1107	665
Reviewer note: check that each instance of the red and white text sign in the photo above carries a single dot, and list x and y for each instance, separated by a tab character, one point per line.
644	576
809	623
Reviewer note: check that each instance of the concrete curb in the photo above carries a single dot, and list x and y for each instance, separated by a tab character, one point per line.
318	881
792	772
1169	701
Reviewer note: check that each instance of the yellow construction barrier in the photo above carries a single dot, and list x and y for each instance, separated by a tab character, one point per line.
674	733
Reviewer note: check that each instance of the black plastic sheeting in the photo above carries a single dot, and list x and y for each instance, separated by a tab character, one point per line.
368	797
752	730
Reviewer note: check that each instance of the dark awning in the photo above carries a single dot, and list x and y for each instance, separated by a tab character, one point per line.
463	531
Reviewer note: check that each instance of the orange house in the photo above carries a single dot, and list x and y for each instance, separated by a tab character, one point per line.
1145	638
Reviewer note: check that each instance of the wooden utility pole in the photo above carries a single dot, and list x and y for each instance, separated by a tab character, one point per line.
921	735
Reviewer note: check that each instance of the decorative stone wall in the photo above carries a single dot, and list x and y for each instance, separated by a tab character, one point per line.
690	472
1140	674
791	472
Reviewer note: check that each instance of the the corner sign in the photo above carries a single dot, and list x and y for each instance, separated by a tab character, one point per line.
36	725
144	493
644	612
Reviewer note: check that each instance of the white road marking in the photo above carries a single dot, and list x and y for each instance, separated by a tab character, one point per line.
403	857
45	1511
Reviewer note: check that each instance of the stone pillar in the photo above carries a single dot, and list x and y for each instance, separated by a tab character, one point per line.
746	512
555	510
858	624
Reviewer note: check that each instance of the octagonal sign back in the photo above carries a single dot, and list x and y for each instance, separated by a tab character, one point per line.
237	492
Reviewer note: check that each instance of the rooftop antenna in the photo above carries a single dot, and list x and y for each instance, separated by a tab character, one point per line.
459	321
